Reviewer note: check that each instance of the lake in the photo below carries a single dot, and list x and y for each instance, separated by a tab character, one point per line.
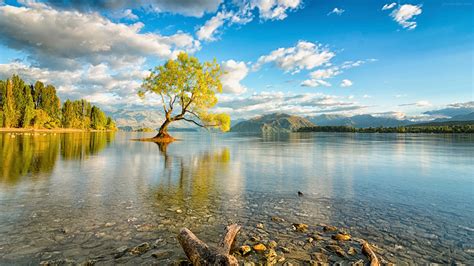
80	196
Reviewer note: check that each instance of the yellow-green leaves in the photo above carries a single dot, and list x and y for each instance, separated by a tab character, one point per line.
187	89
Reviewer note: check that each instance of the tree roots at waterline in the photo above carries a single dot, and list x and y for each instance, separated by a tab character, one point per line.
160	138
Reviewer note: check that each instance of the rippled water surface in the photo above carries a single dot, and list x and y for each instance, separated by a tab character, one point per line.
82	196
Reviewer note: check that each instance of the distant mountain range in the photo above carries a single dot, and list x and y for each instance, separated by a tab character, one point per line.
278	122
357	121
288	123
272	123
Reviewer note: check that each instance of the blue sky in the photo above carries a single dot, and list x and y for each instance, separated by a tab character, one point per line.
393	58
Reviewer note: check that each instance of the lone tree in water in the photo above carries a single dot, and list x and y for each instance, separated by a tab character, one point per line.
187	89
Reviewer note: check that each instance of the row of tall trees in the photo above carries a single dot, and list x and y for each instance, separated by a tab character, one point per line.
37	106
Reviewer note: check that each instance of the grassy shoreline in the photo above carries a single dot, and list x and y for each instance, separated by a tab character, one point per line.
54	130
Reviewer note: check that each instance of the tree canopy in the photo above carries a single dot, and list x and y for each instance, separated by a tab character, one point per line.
187	90
37	106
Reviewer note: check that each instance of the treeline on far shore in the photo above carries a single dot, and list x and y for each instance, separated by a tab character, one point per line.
461	128
37	106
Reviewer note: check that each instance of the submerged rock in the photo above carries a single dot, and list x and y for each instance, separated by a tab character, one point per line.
260	226
119	252
320	257
277	219
140	249
337	249
272	244
300	227
329	228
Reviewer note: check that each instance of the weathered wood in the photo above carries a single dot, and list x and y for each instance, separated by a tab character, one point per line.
226	243
374	261
201	254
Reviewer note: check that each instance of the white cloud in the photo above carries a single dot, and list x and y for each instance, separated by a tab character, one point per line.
90	82
282	102
305	55
337	11
127	14
346	83
235	72
366	96
274	9
405	13
422	103
389	6
68	39
211	27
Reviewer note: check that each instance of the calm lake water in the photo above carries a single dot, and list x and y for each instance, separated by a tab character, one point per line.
79	196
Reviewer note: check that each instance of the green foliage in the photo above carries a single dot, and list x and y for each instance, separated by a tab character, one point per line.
98	119
8	108
187	89
38	106
45	98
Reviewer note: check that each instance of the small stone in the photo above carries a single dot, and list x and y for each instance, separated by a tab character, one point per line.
310	240
352	251
300	227
271	256
254	239
320	257
179	211
329	228
337	249
259	247
109	224
341	237
260	226
140	249
285	249
119	252
272	244
244	250
277	219
300	193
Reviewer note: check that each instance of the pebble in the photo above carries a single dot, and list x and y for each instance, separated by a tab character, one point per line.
329	228
342	237
244	250
300	227
259	247
272	244
260	226
337	249
140	249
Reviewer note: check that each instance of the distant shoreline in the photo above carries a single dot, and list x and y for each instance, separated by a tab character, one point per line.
54	130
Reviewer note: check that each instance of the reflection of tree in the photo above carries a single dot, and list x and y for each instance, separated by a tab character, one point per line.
21	155
33	153
81	145
191	179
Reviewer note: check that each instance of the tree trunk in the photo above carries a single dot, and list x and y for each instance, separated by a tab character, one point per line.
201	254
163	131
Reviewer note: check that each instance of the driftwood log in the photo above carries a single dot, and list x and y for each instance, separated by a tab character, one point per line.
201	254
374	261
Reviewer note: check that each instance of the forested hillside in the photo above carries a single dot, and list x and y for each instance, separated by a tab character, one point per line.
37	106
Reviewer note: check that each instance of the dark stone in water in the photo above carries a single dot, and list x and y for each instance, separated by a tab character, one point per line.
140	249
300	193
337	249
119	252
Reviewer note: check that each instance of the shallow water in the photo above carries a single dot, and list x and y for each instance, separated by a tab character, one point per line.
80	196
